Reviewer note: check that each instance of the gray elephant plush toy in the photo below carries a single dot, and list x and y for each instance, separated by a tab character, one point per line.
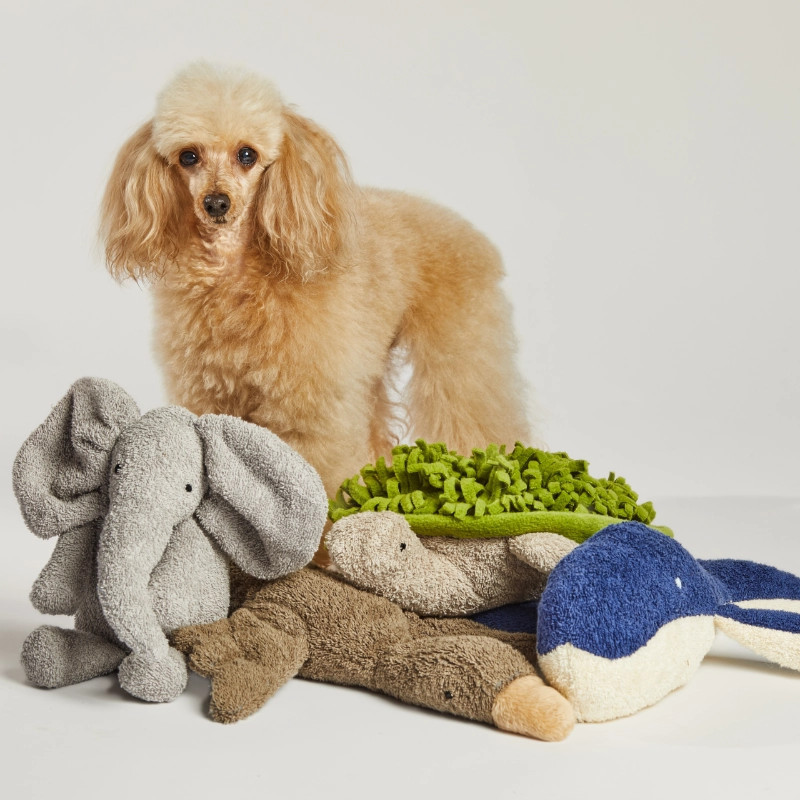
437	575
148	509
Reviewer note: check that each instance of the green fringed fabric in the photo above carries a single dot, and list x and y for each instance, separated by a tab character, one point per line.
491	493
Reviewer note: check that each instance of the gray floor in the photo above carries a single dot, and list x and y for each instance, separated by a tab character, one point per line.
733	730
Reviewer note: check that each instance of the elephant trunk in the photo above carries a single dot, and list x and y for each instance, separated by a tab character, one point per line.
132	542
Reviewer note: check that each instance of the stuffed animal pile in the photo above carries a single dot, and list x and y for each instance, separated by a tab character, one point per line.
453	579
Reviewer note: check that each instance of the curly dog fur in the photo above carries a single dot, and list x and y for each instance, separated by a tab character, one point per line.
284	293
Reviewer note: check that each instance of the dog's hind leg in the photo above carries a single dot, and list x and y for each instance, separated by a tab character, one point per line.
388	424
465	389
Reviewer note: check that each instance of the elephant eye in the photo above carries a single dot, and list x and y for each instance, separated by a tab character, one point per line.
402	545
118	468
188	487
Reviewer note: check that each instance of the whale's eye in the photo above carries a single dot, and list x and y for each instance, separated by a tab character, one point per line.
679	583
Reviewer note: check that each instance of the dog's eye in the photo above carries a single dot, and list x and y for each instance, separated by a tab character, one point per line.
247	156
188	158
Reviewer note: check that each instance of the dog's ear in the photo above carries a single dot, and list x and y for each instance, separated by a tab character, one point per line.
304	212
142	210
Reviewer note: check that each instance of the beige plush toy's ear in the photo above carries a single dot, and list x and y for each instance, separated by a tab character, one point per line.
266	506
61	471
541	551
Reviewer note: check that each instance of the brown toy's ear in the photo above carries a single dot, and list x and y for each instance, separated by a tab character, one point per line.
304	216
61	470
143	209
266	505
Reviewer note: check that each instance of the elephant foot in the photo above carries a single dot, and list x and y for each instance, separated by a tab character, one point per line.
529	707
157	680
53	657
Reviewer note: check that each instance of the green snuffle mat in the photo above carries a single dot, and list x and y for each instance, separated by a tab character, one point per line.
491	493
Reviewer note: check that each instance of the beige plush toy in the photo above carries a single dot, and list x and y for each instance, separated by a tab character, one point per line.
439	575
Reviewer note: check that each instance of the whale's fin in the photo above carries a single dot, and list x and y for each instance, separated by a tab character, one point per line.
769	627
747	580
760	609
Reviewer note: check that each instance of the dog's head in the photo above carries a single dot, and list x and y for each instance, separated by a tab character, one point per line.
224	153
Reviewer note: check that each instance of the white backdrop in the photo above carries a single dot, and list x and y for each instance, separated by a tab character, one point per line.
637	163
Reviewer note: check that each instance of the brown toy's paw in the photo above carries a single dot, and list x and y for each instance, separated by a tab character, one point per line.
240	688
270	658
206	646
247	659
529	707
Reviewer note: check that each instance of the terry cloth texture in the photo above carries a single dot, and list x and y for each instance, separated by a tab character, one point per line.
440	576
747	580
628	616
625	581
515	617
314	625
491	493
147	506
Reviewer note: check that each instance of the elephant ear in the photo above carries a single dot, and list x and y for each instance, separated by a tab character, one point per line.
61	470
266	505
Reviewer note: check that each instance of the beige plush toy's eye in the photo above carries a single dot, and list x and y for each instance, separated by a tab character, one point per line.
402	545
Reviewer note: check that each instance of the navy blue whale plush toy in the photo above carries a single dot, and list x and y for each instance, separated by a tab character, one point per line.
629	615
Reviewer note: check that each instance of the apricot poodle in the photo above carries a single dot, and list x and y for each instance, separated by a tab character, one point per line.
287	295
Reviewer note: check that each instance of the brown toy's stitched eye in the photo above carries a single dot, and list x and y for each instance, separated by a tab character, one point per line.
188	487
247	156
448	695
188	158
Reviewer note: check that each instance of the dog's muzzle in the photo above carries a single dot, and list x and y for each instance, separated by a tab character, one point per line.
216	205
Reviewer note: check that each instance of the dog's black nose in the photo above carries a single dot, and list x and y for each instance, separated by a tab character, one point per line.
216	205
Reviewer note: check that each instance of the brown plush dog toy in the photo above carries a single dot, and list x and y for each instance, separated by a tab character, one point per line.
313	625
